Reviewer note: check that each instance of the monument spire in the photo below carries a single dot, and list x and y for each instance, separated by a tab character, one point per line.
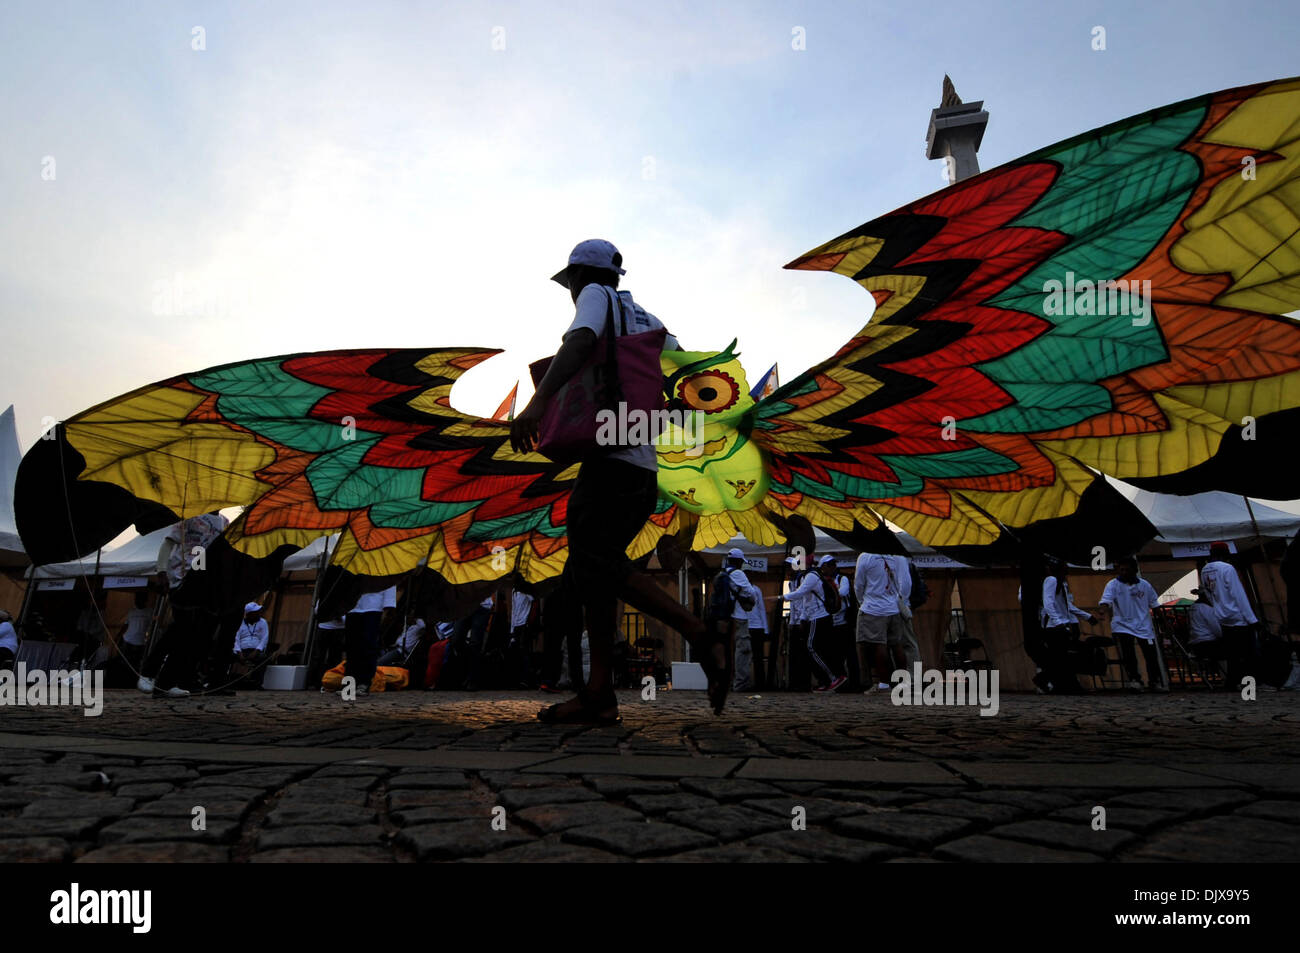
955	133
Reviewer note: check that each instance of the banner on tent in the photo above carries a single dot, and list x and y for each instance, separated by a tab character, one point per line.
55	585
125	582
1194	550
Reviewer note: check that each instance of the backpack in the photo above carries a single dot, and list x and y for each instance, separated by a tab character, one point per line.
724	596
920	591
831	595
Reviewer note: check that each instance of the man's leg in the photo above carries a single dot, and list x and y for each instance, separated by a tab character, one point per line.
822	671
1157	677
744	657
1128	654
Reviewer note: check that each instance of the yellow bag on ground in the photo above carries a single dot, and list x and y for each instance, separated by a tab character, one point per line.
388	678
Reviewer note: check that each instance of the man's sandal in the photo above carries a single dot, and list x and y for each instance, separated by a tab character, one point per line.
590	711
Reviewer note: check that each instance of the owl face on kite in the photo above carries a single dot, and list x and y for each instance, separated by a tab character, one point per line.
712	466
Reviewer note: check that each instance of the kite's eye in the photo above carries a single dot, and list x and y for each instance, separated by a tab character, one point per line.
709	391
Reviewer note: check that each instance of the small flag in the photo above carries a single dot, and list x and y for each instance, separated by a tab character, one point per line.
507	409
766	386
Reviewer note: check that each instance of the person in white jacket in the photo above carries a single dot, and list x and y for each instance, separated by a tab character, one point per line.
1059	615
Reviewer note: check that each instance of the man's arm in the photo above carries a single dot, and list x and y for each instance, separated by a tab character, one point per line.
573	353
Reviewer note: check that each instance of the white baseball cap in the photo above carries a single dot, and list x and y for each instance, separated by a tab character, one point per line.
252	607
735	553
595	252
827	560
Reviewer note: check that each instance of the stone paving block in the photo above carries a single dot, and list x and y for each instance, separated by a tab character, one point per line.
434	780
1067	836
183	807
548	852
1033	801
327	796
320	835
157	853
459	839
348	771
134	830
731	854
638	839
147	773
1286	811
655	804
552	818
1073	775
481	801
82	807
638	765
323	855
917	831
817	810
147	790
1232	839
1129	818
729	789
517	799
981	848
514	779
64	828
290	816
620	786
33	850
826	847
730	822
1193	803
898	773
69	777
1279	775
980	812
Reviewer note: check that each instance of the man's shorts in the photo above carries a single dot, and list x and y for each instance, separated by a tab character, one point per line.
881	629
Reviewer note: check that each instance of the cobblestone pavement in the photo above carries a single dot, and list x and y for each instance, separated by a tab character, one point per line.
420	776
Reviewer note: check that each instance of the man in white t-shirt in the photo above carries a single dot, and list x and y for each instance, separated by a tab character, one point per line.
881	628
361	627
740	587
1127	601
1237	619
405	645
612	498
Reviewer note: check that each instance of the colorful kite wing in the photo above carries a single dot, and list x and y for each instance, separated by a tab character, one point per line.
364	444
1111	303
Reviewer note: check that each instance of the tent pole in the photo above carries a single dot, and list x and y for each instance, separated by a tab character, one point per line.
27	596
315	596
1272	582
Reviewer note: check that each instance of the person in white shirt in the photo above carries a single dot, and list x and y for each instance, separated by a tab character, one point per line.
1059	615
741	588
882	603
796	627
522	634
757	638
842	641
361	635
1219	580
252	636
613	496
1127	602
8	641
1203	629
811	597
133	632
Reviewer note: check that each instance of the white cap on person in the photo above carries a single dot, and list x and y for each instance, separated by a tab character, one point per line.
736	553
252	607
595	252
827	560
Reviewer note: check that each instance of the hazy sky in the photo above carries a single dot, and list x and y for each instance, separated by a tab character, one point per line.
334	175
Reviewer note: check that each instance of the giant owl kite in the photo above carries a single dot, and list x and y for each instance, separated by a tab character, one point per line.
1111	304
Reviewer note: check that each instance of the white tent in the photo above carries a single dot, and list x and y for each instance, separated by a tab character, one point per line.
1206	517
135	557
11	547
